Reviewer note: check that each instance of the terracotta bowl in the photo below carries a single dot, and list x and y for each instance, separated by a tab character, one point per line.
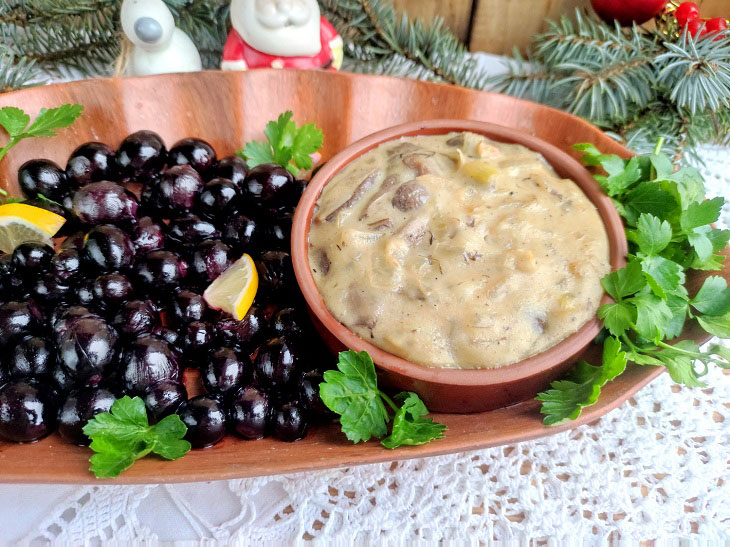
453	390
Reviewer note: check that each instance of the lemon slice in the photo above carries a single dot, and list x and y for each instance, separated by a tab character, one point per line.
21	223
235	289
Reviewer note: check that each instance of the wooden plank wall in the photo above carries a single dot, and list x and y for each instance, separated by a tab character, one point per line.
497	26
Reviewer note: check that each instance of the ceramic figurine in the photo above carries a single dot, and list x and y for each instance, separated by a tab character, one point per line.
280	34
159	47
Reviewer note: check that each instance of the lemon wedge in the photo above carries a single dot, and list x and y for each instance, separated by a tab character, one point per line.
21	223
235	289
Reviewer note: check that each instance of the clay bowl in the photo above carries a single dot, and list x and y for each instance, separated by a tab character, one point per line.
453	390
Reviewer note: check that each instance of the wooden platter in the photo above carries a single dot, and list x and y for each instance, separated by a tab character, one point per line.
228	109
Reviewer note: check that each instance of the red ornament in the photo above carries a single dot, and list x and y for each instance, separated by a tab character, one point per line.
628	11
686	12
693	27
715	24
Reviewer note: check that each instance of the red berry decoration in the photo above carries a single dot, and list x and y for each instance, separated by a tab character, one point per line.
715	24
686	12
627	12
696	25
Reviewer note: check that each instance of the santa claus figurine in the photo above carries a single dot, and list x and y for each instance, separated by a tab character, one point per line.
280	34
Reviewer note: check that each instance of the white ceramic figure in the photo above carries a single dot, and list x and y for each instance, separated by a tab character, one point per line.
159	46
280	34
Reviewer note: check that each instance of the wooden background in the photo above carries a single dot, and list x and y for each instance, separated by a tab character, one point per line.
498	25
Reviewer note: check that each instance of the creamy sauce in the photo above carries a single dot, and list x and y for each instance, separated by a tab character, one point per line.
457	251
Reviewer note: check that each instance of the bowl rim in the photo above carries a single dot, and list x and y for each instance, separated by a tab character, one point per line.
530	366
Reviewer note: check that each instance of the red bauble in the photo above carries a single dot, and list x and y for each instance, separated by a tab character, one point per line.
686	12
715	24
628	11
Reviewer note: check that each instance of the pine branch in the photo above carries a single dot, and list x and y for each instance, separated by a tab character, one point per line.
16	73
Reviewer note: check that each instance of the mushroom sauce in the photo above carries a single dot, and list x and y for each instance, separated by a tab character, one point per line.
457	251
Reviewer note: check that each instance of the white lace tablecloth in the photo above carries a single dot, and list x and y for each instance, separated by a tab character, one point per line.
657	468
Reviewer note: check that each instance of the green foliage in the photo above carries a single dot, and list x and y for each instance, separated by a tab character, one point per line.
123	435
15	122
352	392
667	222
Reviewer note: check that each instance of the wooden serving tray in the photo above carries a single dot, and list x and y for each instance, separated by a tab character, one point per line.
227	109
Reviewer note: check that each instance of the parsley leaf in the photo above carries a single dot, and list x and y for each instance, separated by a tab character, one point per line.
652	234
618	317
582	386
716	325
624	282
15	122
713	298
409	425
700	214
649	197
662	275
352	392
287	145
652	315
123	435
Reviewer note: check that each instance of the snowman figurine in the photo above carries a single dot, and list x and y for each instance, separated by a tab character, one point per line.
159	47
280	34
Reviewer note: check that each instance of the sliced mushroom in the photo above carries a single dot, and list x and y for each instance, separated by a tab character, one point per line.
458	140
388	183
410	195
381	224
356	196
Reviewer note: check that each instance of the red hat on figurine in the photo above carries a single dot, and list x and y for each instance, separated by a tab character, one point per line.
280	34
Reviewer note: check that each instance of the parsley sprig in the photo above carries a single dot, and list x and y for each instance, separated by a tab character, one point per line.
287	145
352	392
123	435
18	126
668	226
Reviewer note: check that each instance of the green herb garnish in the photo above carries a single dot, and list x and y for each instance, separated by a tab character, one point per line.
123	435
352	392
16	123
288	145
667	222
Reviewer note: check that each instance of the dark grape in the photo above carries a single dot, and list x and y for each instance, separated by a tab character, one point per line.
178	189
32	357
27	411
249	329
286	322
164	397
187	306
17	319
210	259
108	248
215	197
196	153
225	370
290	422
268	185
32	258
49	290
140	154
277	232
63	380
309	394
135	318
88	347
249	413
43	177
190	230
111	290
243	233
66	264
11	284
275	365
91	162
105	203
205	419
196	338
147	360
80	406
148	235
85	293
232	168
63	317
275	270
160	271
168	335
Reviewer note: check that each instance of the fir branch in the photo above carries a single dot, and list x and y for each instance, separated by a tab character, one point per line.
16	72
696	72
